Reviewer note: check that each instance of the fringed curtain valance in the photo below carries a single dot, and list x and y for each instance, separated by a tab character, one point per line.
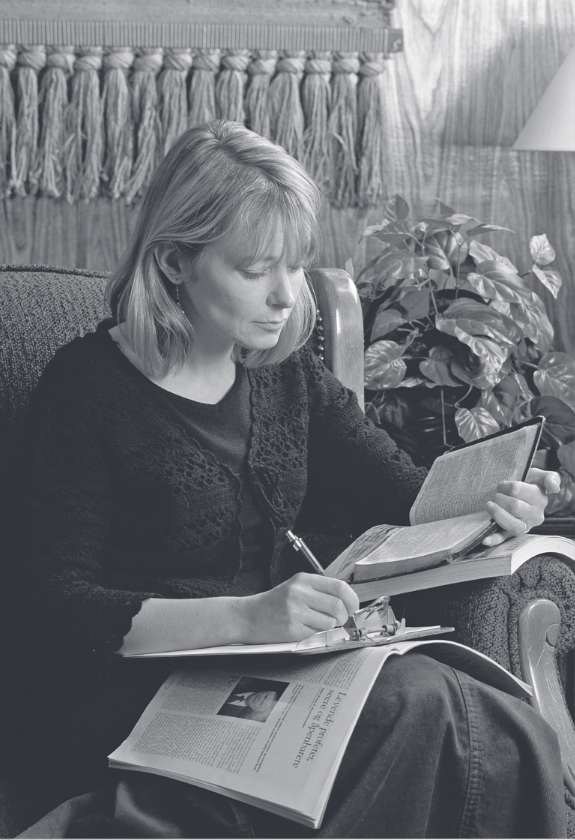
81	121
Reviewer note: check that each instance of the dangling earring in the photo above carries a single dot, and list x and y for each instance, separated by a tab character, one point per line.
177	296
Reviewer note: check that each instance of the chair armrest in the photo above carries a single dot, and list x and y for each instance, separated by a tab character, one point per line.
524	622
538	629
485	613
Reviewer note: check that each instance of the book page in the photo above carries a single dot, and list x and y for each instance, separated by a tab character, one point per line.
427	539
462	481
271	730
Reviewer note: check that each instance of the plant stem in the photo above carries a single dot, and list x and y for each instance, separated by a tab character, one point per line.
443	419
466	394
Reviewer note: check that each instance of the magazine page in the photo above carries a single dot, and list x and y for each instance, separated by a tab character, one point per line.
462	481
269	731
471	661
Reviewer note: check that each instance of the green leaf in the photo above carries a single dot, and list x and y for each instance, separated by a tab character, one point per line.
489	353
499	274
386	320
438	367
370	264
443	209
430	226
550	278
475	423
396	208
483	253
498	410
509	394
566	455
384	367
556	377
370	230
541	250
478	318
560	420
397	266
482	228
415	382
529	313
349	268
415	303
461	219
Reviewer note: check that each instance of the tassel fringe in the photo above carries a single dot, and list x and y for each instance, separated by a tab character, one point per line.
147	65
342	129
116	102
371	123
286	113
48	172
77	122
315	95
173	99
84	130
8	57
30	61
205	66
261	71
231	85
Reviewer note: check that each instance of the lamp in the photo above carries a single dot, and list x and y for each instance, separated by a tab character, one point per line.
551	126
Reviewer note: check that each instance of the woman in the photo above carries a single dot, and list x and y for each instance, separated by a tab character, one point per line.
167	455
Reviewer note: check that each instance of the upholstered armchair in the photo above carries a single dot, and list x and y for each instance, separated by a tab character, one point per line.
524	621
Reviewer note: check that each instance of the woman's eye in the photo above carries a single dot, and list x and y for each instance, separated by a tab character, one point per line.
253	275
295	268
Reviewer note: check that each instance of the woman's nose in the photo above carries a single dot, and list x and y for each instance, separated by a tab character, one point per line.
282	294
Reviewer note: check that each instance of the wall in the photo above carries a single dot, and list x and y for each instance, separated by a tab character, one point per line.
456	99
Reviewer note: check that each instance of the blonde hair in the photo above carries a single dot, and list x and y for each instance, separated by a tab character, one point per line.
218	178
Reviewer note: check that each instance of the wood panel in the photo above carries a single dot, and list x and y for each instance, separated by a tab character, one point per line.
456	98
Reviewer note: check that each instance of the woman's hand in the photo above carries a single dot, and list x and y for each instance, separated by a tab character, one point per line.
519	506
295	609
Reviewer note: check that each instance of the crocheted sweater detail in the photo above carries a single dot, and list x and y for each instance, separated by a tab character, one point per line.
123	504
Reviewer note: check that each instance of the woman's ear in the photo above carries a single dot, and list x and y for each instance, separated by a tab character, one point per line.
173	262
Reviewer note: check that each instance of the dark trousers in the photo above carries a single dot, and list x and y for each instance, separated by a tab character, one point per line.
434	754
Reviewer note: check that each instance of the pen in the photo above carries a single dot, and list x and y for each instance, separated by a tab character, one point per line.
299	545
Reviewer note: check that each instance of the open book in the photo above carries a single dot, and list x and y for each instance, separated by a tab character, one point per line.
448	518
480	563
272	731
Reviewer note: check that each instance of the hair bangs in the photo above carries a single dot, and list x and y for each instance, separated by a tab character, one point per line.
262	214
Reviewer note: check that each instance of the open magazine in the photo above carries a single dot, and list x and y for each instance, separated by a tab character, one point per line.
271	731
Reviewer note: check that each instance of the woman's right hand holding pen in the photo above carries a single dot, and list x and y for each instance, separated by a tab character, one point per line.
295	609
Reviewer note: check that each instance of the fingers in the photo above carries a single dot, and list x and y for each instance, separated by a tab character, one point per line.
497	538
514	523
548	480
298	607
518	506
334	597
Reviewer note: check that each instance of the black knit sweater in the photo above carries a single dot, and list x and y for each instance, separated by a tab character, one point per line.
123	503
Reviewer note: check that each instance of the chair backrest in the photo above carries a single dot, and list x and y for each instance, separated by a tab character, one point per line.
341	318
41	309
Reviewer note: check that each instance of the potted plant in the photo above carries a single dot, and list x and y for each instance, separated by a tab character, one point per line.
457	344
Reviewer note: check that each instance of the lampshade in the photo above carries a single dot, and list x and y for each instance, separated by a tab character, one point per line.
551	126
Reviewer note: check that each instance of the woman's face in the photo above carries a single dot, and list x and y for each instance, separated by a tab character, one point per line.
233	298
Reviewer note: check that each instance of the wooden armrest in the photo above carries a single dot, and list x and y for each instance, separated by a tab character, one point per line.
538	631
340	309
